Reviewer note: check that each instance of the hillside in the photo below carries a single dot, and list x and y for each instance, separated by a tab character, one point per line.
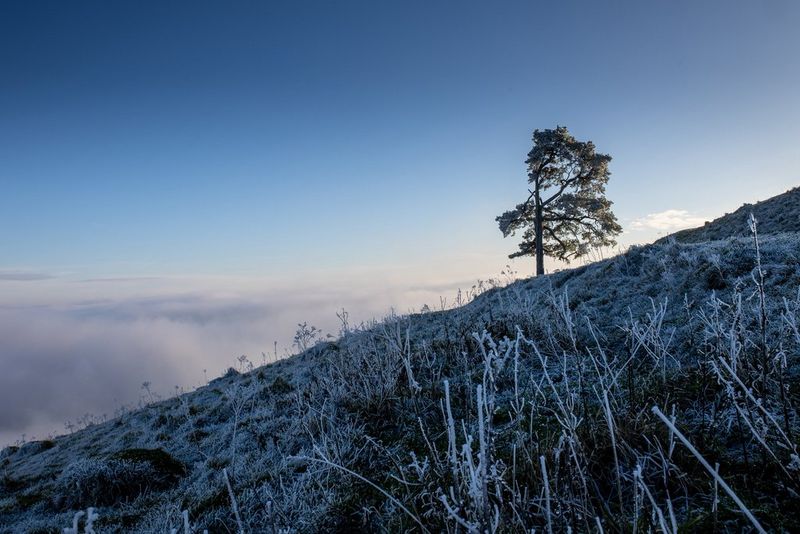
775	215
530	407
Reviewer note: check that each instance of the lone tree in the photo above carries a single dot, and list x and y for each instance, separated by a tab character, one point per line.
567	212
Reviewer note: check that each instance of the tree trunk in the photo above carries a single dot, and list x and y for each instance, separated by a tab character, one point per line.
538	226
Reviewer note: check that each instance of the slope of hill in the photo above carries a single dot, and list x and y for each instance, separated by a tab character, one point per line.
775	215
531	407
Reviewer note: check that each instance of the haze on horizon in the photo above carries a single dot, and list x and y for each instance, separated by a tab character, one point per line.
183	183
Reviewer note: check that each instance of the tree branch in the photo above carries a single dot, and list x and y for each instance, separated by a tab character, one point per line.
563	187
554	236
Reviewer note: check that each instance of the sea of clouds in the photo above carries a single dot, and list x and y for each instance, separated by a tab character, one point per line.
61	361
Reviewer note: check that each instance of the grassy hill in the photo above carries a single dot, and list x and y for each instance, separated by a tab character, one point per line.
779	214
564	401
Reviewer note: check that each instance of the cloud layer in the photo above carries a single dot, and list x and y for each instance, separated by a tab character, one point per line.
23	276
667	221
81	356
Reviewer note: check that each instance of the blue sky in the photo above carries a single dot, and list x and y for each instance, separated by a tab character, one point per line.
304	156
202	137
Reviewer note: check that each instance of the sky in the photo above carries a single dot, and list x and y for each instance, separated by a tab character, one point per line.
183	182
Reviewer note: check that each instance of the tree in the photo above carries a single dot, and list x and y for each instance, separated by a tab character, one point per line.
567	212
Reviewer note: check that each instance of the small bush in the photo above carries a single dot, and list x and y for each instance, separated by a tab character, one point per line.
8	483
159	459
29	499
231	372
122	477
8	451
102	482
715	280
280	386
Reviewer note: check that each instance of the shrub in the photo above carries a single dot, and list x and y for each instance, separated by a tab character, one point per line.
280	386
122	477
102	482
46	444
167	466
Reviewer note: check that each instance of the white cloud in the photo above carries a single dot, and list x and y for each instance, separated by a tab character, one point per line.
668	220
91	351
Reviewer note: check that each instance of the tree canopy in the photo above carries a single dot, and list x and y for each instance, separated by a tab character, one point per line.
567	213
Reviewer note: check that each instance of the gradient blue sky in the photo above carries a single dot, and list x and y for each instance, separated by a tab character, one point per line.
216	137
191	163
